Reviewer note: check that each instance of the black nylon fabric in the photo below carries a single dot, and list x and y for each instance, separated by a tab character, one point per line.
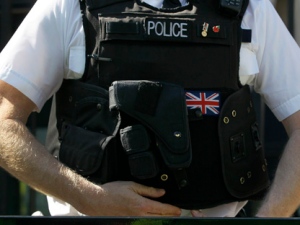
190	54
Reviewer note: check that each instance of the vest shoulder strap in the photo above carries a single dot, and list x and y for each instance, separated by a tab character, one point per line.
246	35
95	4
233	8
244	7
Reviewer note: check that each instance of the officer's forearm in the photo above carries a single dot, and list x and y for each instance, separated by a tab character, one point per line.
26	159
284	196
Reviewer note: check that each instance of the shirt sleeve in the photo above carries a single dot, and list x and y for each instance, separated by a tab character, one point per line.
36	59
277	55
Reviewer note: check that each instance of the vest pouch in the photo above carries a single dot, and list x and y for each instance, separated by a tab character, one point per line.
162	109
242	155
87	129
136	143
81	149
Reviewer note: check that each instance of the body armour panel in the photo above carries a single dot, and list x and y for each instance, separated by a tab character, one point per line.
171	68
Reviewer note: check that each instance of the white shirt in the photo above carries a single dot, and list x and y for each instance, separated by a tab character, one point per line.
50	45
159	3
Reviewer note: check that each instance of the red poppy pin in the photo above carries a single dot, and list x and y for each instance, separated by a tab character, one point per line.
216	29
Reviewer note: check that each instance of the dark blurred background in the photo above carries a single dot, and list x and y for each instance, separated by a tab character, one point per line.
16	198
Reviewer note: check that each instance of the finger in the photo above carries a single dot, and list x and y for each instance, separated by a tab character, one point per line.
161	209
152	207
161	215
148	191
197	213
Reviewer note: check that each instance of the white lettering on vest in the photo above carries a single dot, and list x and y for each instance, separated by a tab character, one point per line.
167	29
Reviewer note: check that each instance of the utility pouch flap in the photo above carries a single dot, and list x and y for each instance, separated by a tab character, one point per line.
243	160
161	107
80	149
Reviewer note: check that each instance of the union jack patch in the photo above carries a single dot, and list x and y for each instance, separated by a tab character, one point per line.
207	101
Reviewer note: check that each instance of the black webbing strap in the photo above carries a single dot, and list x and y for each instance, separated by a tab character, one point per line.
86	31
91	27
122	28
244	7
246	33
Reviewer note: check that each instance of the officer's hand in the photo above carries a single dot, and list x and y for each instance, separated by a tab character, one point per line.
130	199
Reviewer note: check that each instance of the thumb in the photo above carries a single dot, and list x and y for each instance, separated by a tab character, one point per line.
148	191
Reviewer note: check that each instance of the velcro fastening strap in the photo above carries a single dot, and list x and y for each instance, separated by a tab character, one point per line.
122	28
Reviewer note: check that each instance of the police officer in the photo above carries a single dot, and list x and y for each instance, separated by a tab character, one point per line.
50	46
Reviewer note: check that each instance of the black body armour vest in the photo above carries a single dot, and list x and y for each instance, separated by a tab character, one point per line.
160	103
